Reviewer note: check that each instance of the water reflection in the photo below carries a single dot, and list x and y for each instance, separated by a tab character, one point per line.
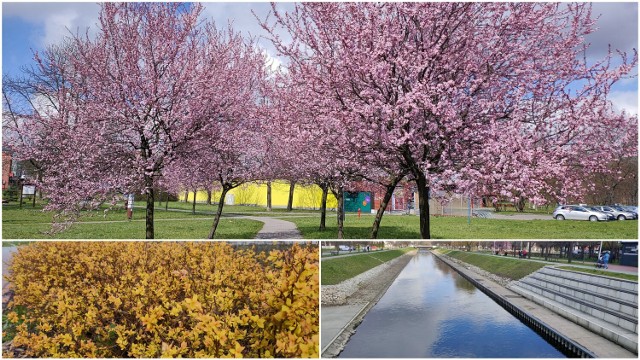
463	284
431	311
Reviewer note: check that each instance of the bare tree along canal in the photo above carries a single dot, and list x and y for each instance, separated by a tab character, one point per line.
432	311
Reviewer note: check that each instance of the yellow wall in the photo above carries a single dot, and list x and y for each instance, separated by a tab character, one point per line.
304	197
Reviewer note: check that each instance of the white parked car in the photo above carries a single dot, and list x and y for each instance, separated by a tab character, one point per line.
576	212
609	215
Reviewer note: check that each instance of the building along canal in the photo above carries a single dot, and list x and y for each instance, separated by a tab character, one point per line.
431	311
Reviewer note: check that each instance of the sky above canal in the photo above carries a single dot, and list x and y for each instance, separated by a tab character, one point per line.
28	27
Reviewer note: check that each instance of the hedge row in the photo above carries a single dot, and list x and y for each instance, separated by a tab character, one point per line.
164	299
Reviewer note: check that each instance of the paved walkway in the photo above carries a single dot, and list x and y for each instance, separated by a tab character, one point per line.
273	228
323	258
578	263
521	217
335	320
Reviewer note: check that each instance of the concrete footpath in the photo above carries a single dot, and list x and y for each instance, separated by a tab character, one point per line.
576	263
272	229
594	343
335	320
275	228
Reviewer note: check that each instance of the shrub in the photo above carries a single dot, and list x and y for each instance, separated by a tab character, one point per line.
164	299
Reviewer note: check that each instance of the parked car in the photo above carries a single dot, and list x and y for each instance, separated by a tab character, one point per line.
618	213
576	212
610	216
630	209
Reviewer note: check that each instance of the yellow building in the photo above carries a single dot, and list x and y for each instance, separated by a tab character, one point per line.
255	194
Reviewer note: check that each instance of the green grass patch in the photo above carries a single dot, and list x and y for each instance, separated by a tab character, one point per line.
14	243
510	268
339	269
29	223
607	273
408	227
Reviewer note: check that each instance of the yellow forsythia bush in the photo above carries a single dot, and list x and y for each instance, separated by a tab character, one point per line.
164	299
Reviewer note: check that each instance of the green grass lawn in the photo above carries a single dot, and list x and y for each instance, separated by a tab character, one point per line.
601	272
339	269
502	266
29	223
408	227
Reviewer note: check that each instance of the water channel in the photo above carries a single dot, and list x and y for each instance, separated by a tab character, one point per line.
432	311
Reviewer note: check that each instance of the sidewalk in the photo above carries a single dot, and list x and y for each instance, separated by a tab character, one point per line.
272	229
275	228
612	268
335	319
323	258
578	263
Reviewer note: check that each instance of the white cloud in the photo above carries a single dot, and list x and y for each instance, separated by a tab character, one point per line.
58	20
625	99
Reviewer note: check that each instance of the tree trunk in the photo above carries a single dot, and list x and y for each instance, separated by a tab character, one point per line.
193	204
323	206
166	203
209	197
216	220
268	195
186	196
423	204
340	197
529	252
383	205
149	217
290	203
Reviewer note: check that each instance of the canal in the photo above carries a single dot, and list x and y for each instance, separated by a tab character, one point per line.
432	311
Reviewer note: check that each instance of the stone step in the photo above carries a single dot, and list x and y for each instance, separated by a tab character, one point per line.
628	323
617	334
605	282
596	289
611	303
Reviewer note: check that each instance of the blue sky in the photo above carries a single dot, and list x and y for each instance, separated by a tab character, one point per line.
31	26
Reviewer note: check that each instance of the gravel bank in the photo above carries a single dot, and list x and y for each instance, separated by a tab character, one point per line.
493	277
366	286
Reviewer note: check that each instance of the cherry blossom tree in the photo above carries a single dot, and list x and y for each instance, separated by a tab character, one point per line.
308	133
449	89
149	83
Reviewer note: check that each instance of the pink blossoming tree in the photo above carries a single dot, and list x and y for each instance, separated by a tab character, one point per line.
129	100
460	94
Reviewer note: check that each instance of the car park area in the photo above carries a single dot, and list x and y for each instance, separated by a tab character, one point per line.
595	212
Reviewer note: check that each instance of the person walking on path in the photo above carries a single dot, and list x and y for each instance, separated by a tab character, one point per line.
605	259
